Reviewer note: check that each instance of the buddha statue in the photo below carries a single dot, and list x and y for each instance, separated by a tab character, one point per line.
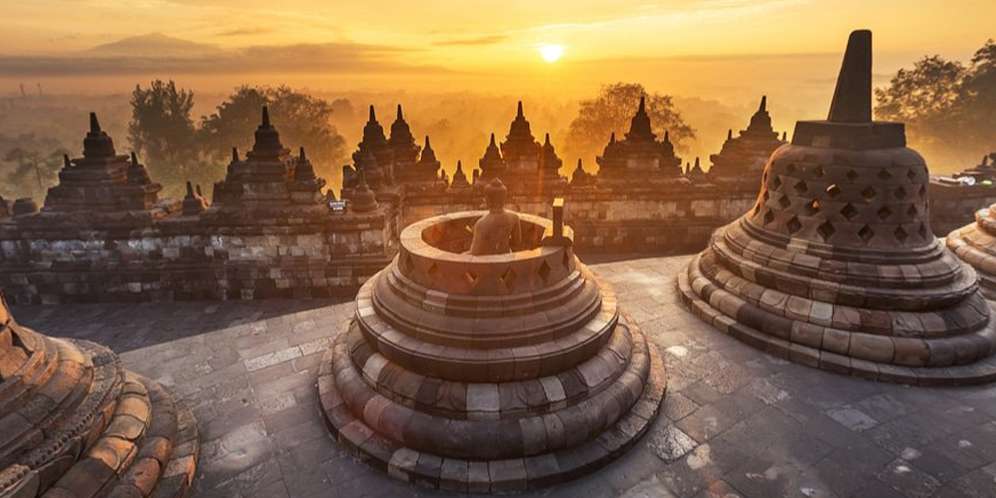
498	231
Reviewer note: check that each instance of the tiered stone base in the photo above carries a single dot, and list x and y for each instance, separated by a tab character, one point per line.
585	420
76	424
810	345
976	246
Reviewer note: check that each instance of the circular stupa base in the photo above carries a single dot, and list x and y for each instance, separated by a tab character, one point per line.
340	378
121	434
981	372
974	245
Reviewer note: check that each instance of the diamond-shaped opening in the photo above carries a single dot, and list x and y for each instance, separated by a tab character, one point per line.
769	217
900	193
868	193
818	171
814	206
923	231
852	175
833	190
883	174
901	234
801	187
793	225
826	230
470	277
776	183
866	233
912	211
848	211
784	201
433	271
884	213
544	271
911	174
507	278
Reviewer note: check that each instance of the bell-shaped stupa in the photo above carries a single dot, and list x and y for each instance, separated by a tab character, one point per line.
75	423
836	266
487	358
975	244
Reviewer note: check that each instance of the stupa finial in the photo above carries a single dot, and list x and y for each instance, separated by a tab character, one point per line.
519	113
764	104
643	104
729	134
373	115
401	115
266	116
852	101
190	189
94	124
134	159
492	144
301	155
546	142
65	161
235	154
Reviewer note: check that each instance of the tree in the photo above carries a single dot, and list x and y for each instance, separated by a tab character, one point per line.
931	88
34	172
303	120
612	110
161	129
980	96
947	107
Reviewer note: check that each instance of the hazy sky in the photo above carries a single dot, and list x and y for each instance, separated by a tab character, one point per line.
461	34
731	49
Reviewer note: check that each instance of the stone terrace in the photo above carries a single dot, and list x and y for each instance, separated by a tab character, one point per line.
736	422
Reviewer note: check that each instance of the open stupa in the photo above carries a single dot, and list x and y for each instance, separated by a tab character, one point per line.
487	358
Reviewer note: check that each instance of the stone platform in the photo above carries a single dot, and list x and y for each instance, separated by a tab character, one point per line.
736	421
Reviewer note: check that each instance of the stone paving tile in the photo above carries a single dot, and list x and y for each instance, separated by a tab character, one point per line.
736	422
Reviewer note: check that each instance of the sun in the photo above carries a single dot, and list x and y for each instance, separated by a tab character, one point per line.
551	53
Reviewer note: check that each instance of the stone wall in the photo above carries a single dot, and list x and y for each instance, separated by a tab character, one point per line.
672	220
952	207
182	258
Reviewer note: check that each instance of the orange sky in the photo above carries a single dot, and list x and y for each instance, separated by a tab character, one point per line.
728	51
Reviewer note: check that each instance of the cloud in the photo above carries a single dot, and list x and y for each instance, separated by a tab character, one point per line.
324	58
480	40
256	30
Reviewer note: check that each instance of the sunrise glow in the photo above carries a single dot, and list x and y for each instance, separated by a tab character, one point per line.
551	53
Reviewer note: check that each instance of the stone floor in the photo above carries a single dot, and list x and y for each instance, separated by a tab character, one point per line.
736	422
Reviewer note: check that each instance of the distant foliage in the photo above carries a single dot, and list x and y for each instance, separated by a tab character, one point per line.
303	120
177	150
30	167
161	129
947	106
612	110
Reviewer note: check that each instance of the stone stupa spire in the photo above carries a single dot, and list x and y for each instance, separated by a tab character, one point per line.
852	98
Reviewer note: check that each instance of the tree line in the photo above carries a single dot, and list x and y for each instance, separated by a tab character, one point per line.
176	149
948	106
